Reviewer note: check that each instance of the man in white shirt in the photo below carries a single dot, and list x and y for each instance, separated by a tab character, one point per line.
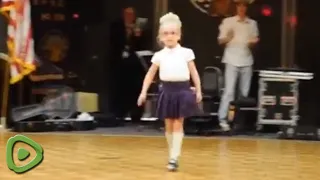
238	33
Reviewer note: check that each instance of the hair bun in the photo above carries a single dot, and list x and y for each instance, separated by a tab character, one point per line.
170	18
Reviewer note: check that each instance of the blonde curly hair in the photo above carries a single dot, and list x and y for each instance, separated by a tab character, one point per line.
169	19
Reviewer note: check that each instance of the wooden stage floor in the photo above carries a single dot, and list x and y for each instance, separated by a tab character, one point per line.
98	157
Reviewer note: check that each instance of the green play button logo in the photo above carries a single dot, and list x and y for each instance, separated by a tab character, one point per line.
23	154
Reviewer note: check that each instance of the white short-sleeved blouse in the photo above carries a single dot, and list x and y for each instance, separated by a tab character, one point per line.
173	63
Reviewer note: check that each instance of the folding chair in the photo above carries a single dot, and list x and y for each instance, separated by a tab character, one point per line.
212	82
152	96
202	122
151	103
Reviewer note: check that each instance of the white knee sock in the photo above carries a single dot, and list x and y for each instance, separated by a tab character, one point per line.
169	141
177	138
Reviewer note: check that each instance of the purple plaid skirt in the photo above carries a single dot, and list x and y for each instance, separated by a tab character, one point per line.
176	100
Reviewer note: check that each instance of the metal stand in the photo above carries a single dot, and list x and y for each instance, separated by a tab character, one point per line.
150	105
5	91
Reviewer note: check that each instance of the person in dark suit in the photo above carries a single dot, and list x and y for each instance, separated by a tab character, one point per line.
127	71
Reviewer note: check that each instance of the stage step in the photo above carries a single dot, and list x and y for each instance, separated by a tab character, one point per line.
54	125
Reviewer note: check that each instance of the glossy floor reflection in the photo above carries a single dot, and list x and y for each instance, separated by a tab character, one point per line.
97	157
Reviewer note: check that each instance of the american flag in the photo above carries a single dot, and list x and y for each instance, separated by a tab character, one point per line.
20	41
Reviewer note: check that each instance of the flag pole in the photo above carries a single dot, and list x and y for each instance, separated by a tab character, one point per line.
5	91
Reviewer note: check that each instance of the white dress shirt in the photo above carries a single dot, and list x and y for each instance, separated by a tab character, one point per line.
237	51
173	63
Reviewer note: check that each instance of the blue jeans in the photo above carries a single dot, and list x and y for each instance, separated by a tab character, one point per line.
232	74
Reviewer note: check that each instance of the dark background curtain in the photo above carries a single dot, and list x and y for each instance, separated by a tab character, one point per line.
307	57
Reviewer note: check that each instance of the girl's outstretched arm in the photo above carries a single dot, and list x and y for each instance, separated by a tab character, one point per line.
195	76
149	78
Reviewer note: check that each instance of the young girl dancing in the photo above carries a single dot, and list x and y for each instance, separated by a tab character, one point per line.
177	100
